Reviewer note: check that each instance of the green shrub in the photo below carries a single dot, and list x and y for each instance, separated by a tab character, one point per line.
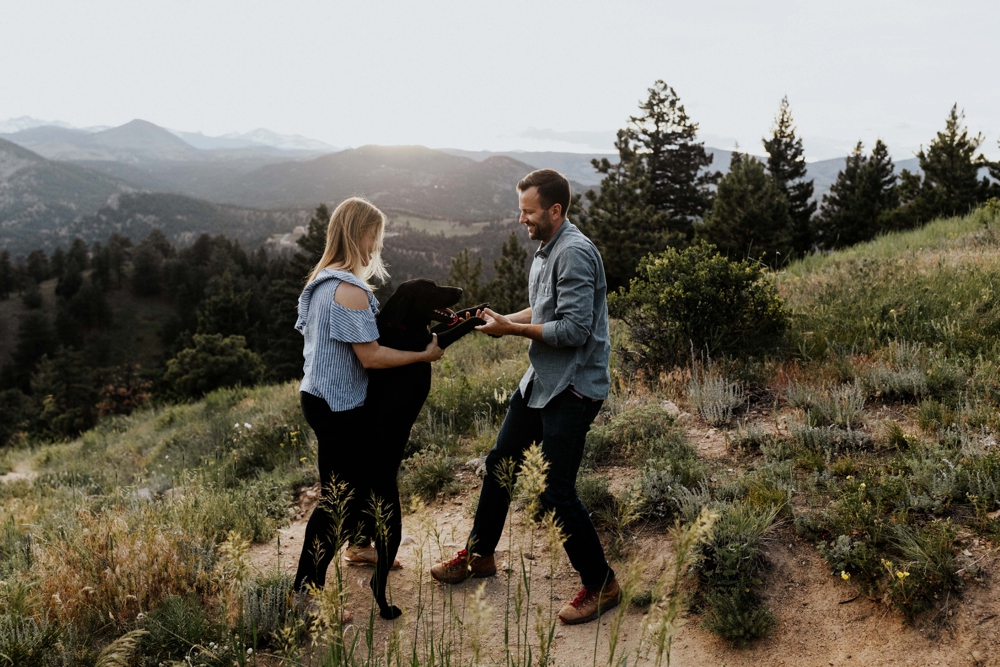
934	416
696	297
176	625
636	435
715	397
213	362
594	492
25	642
738	616
732	568
428	473
751	438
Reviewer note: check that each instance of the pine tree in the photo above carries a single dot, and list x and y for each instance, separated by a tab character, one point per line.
225	312
951	183
618	219
6	275
862	200
57	265
78	251
71	280
677	183
38	265
35	339
750	216
995	173
787	166
66	388
508	291
466	274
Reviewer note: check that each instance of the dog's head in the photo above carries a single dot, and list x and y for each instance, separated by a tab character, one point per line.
416	303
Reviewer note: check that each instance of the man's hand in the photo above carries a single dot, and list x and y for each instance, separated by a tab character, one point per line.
504	325
496	324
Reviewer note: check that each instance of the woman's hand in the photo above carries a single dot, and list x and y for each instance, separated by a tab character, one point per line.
432	352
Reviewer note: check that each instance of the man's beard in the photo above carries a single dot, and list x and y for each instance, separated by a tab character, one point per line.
543	228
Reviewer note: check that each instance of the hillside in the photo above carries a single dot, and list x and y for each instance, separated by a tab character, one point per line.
404	178
182	219
39	198
854	478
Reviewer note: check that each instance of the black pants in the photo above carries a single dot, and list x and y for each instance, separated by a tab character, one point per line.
348	453
561	426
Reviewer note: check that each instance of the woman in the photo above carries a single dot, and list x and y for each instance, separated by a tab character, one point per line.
337	318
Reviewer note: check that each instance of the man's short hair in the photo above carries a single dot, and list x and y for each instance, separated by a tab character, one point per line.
553	188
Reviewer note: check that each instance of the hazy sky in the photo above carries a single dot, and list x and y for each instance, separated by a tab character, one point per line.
506	75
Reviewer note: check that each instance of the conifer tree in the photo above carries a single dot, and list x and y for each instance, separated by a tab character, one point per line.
226	311
35	339
38	265
787	165
508	291
466	274
677	183
862	201
71	280
66	388
57	265
750	217
995	173
78	252
618	219
6	275
951	183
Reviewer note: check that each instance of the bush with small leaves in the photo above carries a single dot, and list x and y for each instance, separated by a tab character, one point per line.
697	297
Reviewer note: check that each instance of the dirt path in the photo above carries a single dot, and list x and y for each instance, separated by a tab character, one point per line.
22	470
821	620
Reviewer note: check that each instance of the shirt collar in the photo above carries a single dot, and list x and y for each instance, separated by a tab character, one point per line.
545	248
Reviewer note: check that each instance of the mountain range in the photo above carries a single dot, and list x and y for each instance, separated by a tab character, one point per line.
54	179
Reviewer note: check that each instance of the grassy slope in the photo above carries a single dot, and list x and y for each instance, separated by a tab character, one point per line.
196	470
936	285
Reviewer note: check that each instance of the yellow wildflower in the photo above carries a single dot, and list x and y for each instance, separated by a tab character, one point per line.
845	575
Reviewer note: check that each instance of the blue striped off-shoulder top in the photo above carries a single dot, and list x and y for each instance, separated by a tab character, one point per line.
332	371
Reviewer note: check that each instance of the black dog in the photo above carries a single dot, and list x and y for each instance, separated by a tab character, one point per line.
396	395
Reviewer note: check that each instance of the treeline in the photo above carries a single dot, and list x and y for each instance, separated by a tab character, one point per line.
662	192
222	316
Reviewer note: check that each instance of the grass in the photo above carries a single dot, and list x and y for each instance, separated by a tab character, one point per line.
874	434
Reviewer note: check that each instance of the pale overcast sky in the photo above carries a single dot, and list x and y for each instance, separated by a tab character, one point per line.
506	75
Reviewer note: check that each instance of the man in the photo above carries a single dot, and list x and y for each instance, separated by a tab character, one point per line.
557	399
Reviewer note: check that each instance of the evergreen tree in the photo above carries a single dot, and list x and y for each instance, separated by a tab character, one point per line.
66	388
226	311
951	183
619	221
863	199
78	251
6	275
787	166
16	416
995	173
750	217
32	295
38	266
71	280
147	269
35	339
677	183
57	265
508	291
466	274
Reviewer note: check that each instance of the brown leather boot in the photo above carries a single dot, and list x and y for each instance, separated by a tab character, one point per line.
464	566
590	603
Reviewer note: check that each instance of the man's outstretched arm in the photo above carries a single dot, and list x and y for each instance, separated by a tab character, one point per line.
518	324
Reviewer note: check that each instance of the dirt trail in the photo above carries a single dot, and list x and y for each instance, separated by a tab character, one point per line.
22	470
818	622
821	620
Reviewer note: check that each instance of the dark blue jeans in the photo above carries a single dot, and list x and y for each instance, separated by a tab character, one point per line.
561	426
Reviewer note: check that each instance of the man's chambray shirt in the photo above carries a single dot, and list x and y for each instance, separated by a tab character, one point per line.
567	292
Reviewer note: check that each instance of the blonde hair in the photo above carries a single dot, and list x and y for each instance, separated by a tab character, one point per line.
350	223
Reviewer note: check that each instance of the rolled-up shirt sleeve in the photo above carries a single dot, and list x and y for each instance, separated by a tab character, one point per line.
574	313
352	326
